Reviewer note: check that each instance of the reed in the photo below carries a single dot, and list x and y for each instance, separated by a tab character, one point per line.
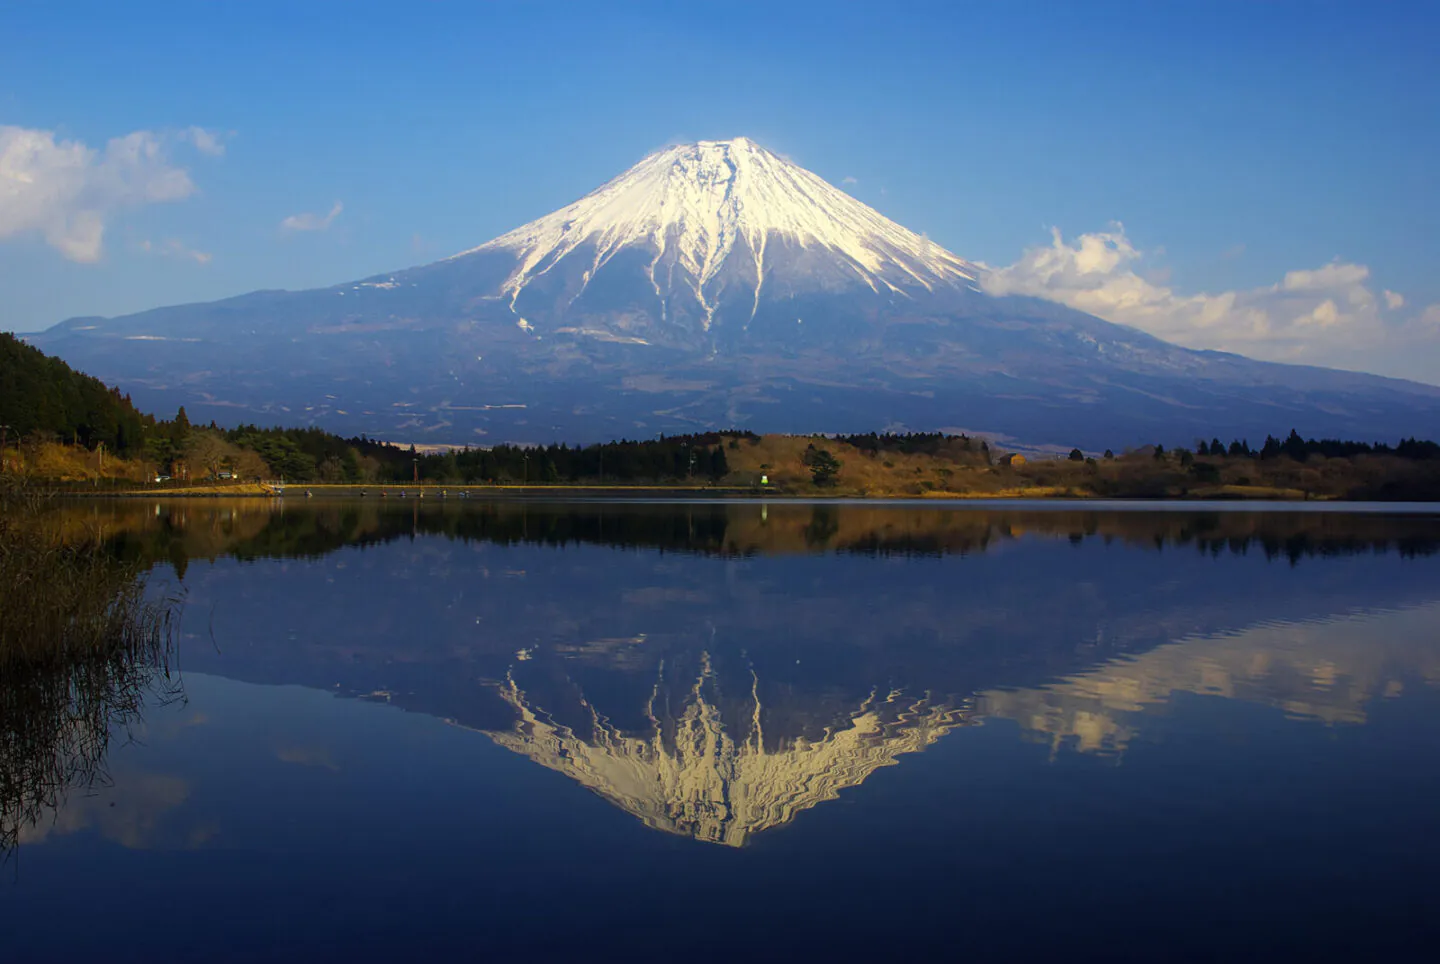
83	646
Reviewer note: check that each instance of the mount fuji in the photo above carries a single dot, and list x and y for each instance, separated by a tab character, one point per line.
712	285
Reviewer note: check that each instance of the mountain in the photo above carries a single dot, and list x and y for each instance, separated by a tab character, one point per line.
713	284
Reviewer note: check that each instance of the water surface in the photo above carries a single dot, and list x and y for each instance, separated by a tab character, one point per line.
745	731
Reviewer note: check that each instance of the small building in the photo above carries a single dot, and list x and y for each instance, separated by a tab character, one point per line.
1013	459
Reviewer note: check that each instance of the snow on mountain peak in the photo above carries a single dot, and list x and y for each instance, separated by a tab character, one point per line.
693	206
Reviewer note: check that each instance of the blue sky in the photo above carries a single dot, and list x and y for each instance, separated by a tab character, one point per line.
1263	159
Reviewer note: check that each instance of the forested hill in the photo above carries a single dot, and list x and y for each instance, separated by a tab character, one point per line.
43	395
56	420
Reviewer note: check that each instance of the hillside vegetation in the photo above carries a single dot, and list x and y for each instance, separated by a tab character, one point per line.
43	396
932	465
68	428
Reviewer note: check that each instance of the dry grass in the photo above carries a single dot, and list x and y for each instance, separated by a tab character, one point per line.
1136	476
56	462
879	475
251	489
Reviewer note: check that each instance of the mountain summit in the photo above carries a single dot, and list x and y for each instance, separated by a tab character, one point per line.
714	223
712	284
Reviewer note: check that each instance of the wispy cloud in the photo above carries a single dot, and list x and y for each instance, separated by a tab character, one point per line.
67	192
1328	315
175	248
205	141
847	179
309	221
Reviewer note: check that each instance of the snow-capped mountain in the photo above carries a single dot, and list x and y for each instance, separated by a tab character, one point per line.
714	222
712	284
707	246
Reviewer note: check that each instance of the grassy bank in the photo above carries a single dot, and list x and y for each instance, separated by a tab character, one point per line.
742	464
778	466
939	467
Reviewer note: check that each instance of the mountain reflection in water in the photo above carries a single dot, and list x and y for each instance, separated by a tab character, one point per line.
1329	671
702	776
718	669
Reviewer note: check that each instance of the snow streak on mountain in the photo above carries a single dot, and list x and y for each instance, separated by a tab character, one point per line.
702	211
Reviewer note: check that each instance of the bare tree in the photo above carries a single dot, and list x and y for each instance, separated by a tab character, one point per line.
249	465
332	470
207	450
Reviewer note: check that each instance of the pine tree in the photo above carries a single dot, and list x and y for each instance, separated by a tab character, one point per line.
719	464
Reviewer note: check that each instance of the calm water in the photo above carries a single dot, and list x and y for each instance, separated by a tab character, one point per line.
747	732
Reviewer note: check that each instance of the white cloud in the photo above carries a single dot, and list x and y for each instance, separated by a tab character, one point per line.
205	141
1327	315
1333	275
849	180
175	248
66	191
309	221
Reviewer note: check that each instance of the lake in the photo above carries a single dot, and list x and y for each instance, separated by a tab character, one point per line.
748	731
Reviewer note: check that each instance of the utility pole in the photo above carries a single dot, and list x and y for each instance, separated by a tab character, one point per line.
4	437
416	464
525	473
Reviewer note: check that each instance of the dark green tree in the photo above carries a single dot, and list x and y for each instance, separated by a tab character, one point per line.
719	464
824	467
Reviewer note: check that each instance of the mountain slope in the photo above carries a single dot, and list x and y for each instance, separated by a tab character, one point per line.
713	284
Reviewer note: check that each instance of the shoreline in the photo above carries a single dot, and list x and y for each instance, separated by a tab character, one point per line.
440	493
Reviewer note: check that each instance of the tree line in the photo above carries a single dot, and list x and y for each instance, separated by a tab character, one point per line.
42	399
313	455
1300	449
